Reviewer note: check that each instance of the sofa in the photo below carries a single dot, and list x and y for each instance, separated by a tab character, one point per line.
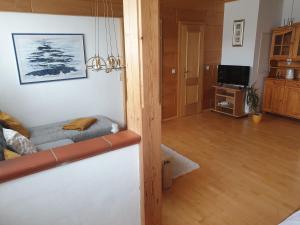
52	135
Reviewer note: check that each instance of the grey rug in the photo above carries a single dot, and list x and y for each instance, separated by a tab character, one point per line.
181	164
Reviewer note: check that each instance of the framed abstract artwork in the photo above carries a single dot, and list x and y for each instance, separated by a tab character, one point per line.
238	33
49	57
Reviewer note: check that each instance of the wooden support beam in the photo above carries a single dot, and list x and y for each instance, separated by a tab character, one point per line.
141	30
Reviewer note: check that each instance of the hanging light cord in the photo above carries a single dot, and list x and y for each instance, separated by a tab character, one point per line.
292	12
109	27
114	27
98	26
105	22
95	24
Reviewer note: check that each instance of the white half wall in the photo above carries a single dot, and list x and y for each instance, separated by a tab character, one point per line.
43	103
242	9
286	12
102	190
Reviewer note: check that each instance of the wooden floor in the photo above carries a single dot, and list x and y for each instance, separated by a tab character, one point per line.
249	175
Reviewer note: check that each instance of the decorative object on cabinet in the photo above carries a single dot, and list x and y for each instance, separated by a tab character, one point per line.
290	74
238	33
230	101
252	100
49	57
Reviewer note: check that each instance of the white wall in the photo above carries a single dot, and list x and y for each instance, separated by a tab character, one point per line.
260	16
37	104
269	17
102	190
286	12
242	9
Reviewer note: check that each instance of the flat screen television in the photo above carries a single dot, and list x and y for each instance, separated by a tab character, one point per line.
233	75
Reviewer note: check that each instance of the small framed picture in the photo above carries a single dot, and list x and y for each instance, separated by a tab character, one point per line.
238	33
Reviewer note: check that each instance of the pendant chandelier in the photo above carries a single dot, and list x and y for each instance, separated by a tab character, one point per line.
111	62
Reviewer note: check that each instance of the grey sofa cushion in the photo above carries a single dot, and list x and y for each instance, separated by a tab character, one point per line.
54	144
54	132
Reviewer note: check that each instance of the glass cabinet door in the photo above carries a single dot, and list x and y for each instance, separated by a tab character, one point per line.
296	52
281	46
277	44
286	43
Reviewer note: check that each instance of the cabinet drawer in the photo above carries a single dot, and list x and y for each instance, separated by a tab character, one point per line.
291	83
275	81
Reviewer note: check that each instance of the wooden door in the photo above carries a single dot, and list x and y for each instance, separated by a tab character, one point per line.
191	68
291	102
278	97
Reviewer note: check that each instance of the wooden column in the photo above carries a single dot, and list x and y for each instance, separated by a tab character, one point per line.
141	30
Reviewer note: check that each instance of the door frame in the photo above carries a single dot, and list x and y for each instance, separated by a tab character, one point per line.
180	104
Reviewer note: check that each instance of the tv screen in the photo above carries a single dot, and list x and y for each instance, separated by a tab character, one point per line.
235	75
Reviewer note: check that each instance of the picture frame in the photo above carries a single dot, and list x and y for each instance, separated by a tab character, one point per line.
238	33
49	57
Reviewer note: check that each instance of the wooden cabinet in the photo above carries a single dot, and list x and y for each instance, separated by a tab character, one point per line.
230	101
282	97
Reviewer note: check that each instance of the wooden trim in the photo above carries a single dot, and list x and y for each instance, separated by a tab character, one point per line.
123	72
141	27
179	80
29	164
170	118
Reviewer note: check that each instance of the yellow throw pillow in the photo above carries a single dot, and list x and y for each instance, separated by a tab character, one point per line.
10	154
13	124
80	124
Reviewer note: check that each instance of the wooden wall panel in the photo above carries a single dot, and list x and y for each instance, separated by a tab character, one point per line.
67	7
15	5
82	7
61	7
210	13
210	77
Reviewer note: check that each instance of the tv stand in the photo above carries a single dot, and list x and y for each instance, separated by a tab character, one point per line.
230	101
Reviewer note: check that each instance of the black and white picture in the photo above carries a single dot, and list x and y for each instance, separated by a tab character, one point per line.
238	33
49	57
